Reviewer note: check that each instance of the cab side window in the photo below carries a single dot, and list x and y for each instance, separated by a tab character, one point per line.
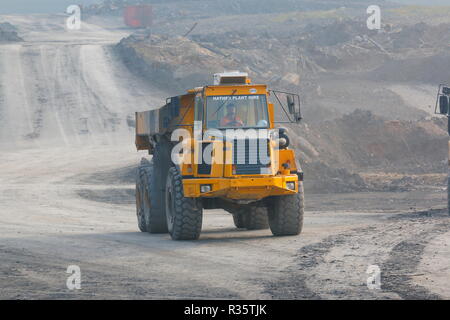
199	108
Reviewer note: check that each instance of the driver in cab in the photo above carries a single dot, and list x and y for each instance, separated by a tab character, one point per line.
231	119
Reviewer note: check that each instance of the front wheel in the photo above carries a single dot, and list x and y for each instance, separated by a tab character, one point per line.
184	215
286	213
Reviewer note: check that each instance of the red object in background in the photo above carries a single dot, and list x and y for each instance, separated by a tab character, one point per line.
139	16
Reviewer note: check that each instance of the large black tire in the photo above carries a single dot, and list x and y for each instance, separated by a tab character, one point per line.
150	218
161	163
286	213
448	192
184	215
156	214
238	219
140	191
257	219
251	218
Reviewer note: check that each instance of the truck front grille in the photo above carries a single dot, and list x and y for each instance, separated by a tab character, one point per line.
247	156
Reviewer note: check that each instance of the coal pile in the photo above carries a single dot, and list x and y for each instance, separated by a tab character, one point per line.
321	178
177	63
8	33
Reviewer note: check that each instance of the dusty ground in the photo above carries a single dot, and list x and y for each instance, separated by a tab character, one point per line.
53	217
62	201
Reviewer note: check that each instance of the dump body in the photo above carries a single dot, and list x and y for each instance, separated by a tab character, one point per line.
164	120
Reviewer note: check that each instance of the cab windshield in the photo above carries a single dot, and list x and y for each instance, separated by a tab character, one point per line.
236	111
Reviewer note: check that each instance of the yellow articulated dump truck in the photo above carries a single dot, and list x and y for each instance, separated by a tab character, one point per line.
216	147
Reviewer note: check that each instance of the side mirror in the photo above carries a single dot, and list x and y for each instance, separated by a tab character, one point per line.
446	91
443	105
291	104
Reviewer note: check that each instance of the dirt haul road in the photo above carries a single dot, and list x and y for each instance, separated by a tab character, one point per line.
65	199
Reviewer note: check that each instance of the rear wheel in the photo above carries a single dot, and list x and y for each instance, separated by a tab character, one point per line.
140	186
150	217
156	215
448	193
238	219
184	215
286	213
155	188
252	218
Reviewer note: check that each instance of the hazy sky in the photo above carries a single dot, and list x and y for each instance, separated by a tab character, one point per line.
425	2
52	6
38	6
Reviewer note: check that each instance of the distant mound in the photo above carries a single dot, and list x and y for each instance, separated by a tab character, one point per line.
361	141
8	33
432	70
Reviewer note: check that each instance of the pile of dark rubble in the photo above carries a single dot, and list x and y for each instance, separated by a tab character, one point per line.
8	33
321	178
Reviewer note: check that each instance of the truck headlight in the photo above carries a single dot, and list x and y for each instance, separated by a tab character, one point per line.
290	185
204	188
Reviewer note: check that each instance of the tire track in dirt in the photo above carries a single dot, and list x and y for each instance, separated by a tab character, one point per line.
335	268
403	261
295	286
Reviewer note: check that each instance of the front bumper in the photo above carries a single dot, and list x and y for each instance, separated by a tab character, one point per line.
240	188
